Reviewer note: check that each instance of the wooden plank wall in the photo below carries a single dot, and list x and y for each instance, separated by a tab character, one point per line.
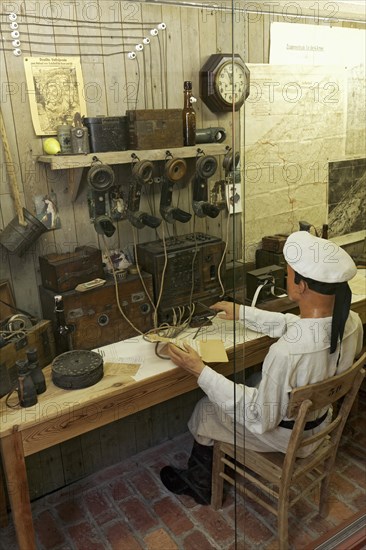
111	83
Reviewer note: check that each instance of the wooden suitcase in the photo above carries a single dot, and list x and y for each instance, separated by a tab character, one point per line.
93	316
155	128
62	272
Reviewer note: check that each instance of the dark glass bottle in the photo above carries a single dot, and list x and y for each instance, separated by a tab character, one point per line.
189	115
62	333
26	389
325	231
36	371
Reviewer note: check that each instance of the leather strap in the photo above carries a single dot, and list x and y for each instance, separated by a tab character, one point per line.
289	424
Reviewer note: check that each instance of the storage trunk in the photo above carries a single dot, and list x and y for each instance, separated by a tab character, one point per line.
40	336
93	316
62	272
155	128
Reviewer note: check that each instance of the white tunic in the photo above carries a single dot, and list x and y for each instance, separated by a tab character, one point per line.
300	356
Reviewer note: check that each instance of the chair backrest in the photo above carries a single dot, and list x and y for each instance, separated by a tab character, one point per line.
306	399
327	392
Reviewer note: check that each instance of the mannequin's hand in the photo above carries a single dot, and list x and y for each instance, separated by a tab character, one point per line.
188	360
227	310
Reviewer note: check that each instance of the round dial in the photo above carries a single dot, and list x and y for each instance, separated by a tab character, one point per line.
224	82
230	82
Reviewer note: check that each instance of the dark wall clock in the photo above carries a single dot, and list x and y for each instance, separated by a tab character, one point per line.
224	81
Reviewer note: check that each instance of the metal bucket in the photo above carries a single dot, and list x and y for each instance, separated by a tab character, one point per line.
18	238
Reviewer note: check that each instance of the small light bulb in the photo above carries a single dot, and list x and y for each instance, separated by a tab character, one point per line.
12	16
131	55
17	52
154	32
162	26
14	25
15	34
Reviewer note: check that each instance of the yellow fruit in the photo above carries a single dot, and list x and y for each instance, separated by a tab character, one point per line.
51	146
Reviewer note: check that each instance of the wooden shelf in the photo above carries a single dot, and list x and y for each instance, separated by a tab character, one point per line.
67	162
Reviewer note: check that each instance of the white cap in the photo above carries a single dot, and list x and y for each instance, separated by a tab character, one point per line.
318	259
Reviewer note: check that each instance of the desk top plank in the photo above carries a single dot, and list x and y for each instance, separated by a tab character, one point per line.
61	414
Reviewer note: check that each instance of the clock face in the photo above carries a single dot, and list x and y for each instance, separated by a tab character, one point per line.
224	82
230	82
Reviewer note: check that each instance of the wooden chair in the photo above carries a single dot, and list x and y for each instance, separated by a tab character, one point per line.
280	480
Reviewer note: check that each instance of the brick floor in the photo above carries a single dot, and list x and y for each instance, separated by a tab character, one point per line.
125	507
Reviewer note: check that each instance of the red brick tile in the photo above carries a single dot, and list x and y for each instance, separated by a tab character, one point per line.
356	474
146	484
239	544
264	514
196	541
119	490
48	531
359	502
70	511
85	537
272	545
173	516
96	502
338	511
318	524
186	501
339	484
119	536
137	514
214	523
99	507
159	540
250	525
297	537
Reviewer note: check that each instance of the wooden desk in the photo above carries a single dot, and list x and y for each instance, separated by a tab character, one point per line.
61	415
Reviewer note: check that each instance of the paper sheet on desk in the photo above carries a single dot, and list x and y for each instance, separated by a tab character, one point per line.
125	371
117	363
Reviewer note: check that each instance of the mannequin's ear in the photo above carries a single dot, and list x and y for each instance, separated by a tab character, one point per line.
303	286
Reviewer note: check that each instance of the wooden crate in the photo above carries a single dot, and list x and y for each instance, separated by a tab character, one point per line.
155	128
41	337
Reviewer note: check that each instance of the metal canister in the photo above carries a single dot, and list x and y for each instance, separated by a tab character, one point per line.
80	140
64	138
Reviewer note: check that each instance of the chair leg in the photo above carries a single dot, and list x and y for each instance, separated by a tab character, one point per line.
217	481
282	521
324	497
